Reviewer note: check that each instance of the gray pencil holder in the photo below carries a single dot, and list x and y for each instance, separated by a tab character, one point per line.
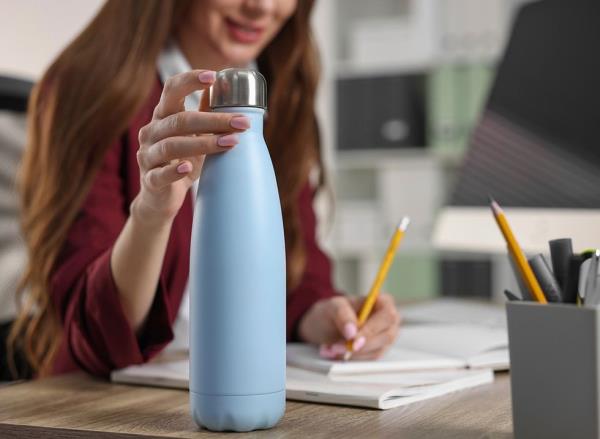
555	370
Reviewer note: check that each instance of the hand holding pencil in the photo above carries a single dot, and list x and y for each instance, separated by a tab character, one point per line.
371	298
360	327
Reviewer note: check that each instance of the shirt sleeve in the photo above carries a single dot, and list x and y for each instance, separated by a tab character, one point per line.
96	330
316	281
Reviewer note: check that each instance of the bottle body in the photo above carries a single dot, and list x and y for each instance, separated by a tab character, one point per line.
238	289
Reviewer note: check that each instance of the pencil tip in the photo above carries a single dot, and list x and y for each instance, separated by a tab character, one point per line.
494	205
404	222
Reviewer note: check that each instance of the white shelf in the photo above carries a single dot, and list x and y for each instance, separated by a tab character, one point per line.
376	158
385	158
414	36
357	70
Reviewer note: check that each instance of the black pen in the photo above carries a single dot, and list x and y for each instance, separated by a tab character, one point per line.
571	289
561	251
511	297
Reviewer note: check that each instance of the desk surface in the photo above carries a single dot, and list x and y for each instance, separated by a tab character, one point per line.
74	406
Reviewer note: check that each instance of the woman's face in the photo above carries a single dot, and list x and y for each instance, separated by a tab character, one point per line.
236	31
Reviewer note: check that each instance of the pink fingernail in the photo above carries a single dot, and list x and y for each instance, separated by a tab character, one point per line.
207	76
228	140
338	349
184	167
359	343
350	331
325	352
240	122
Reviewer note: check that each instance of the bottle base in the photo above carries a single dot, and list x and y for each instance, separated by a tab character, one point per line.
237	412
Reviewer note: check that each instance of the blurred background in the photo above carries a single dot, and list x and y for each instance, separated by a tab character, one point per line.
410	97
406	81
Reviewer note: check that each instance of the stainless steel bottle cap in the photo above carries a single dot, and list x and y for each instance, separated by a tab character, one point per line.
239	88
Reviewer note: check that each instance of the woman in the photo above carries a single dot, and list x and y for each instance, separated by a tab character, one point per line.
112	156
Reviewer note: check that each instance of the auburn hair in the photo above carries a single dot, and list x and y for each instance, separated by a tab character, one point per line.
85	101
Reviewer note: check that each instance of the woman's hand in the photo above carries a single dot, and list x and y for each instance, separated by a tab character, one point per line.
170	158
174	143
331	322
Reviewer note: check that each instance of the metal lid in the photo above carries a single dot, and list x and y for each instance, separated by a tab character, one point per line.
239	88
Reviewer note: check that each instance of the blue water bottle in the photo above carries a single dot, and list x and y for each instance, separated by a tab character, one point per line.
237	274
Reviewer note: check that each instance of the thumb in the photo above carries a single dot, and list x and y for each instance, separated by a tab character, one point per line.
205	100
344	317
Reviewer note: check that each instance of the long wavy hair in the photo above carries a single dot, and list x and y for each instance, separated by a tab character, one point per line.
85	101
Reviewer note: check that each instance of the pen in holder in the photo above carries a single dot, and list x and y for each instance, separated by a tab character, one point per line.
555	370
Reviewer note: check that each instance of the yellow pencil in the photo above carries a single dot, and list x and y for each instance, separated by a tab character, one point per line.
517	254
369	302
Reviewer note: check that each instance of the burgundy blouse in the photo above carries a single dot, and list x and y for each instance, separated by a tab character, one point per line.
96	334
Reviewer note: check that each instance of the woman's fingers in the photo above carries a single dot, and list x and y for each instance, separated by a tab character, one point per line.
180	147
341	313
343	316
204	102
384	315
177	87
377	344
374	337
158	178
186	123
380	330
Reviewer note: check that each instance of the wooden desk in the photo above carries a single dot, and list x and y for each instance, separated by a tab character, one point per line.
78	406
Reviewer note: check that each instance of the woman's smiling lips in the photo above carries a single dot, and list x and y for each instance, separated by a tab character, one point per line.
244	33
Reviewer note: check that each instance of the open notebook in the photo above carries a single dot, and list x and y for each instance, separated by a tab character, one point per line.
380	391
455	311
418	348
427	361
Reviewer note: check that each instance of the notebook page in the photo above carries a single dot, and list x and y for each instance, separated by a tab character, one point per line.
476	378
306	385
457	341
396	359
173	374
497	360
410	379
380	391
455	311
